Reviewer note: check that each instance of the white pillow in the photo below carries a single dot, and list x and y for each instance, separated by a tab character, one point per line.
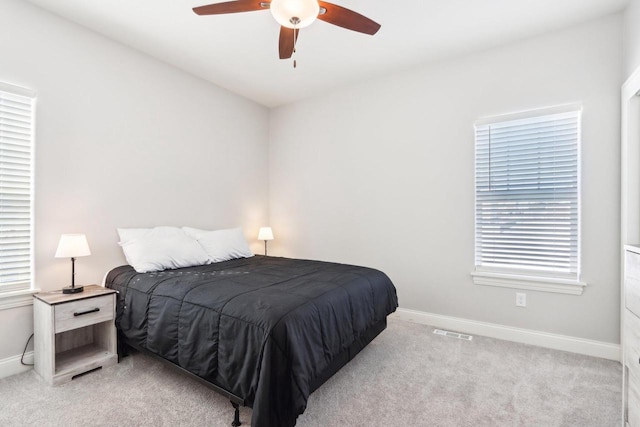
221	245
194	232
160	248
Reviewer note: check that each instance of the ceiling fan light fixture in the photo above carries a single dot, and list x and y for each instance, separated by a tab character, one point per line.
295	13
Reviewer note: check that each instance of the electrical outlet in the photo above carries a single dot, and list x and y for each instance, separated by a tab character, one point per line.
521	299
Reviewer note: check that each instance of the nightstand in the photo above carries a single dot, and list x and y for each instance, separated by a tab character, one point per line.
74	334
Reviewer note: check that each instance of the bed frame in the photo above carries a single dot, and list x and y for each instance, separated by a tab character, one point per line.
338	362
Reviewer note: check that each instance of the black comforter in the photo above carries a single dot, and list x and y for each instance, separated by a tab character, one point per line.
263	328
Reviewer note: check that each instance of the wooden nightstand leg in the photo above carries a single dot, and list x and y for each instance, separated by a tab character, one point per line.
44	360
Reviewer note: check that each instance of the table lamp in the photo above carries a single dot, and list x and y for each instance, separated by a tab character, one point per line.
265	234
72	246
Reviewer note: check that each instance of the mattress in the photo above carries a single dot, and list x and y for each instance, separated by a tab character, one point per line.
266	329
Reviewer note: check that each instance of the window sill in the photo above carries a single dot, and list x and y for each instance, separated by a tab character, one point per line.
531	283
15	299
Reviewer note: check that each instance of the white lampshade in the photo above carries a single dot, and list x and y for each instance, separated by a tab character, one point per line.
72	246
285	12
265	233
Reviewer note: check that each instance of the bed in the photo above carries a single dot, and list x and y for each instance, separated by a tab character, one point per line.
266	331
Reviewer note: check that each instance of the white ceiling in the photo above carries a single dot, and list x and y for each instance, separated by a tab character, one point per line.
240	51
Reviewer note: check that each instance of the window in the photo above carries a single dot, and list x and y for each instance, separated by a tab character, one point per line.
16	195
528	201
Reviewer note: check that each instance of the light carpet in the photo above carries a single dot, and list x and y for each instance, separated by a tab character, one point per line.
406	377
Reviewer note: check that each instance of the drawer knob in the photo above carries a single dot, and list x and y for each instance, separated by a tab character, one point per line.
81	313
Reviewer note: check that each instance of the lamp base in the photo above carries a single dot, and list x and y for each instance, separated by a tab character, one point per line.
70	290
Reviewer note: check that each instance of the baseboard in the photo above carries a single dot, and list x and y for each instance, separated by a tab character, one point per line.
526	336
12	366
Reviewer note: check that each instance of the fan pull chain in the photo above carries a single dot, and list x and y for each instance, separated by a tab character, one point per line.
295	40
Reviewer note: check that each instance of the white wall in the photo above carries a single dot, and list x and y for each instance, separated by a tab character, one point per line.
124	140
632	37
381	174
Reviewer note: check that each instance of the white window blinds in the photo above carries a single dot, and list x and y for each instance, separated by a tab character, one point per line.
527	195
16	146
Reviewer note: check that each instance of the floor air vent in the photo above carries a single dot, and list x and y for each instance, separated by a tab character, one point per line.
453	334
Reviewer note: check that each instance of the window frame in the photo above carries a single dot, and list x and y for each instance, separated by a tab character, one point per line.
523	278
21	294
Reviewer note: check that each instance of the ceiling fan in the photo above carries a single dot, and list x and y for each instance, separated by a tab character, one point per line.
292	15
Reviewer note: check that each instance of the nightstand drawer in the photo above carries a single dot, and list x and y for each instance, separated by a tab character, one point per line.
77	314
632	342
633	400
632	282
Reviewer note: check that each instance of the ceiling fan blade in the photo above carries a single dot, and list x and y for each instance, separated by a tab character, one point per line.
345	18
231	7
287	41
